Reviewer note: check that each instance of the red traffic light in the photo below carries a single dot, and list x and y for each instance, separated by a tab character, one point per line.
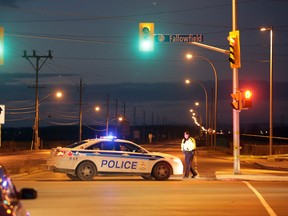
247	99
247	94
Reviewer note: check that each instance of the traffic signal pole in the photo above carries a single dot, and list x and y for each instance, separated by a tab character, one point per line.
236	113
235	82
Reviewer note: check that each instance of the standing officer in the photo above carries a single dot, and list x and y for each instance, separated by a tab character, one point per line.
188	146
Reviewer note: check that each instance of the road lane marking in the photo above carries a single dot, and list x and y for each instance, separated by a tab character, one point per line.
262	200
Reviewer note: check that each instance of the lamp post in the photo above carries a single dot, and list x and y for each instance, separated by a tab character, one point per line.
190	56
187	81
271	90
36	140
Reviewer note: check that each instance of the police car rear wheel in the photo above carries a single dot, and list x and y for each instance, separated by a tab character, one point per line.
86	171
73	177
161	171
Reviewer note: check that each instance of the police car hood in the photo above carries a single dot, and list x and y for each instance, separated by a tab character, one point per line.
163	155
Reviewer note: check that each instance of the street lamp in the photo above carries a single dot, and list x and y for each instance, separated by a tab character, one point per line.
95	108
271	90
199	124
36	140
190	56
58	94
119	118
187	81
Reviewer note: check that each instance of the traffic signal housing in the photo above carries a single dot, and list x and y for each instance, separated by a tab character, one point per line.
1	45
237	100
146	37
241	100
234	43
247	99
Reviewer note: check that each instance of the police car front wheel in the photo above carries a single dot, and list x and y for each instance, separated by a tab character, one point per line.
73	177
161	171
147	176
86	171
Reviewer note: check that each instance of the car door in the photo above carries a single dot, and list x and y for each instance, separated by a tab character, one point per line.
132	158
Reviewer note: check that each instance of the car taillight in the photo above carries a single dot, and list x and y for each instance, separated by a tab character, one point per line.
62	153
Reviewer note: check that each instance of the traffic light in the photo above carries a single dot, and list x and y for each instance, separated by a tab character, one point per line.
234	43
146	37
237	100
1	45
247	99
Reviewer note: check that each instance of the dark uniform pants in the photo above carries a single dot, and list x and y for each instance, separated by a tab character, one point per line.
188	163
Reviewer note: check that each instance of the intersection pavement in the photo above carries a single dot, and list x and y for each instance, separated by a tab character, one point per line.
271	168
268	168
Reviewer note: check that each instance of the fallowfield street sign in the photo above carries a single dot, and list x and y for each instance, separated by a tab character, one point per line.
187	38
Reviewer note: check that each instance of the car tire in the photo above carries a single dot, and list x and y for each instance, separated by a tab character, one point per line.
86	171
161	171
73	177
147	176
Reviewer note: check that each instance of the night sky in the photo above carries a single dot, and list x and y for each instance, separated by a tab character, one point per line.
97	41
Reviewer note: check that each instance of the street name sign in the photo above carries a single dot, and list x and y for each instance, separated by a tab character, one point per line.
2	114
182	38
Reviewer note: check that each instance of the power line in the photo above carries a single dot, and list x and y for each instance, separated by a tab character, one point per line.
122	16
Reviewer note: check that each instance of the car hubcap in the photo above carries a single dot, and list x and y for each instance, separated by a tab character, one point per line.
86	171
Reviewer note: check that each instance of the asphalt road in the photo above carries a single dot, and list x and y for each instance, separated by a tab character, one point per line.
131	195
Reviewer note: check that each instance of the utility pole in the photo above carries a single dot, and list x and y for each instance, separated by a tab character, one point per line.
37	67
80	110
116	118
107	116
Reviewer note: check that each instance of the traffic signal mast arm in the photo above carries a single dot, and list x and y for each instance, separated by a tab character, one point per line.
216	49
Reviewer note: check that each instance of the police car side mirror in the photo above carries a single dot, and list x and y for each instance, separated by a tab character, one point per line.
28	193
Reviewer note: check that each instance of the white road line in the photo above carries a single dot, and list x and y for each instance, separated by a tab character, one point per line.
260	197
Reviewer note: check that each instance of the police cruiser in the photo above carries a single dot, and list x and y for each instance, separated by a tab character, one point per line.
85	159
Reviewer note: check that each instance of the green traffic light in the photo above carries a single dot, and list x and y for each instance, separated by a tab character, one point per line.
146	46
146	37
1	45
